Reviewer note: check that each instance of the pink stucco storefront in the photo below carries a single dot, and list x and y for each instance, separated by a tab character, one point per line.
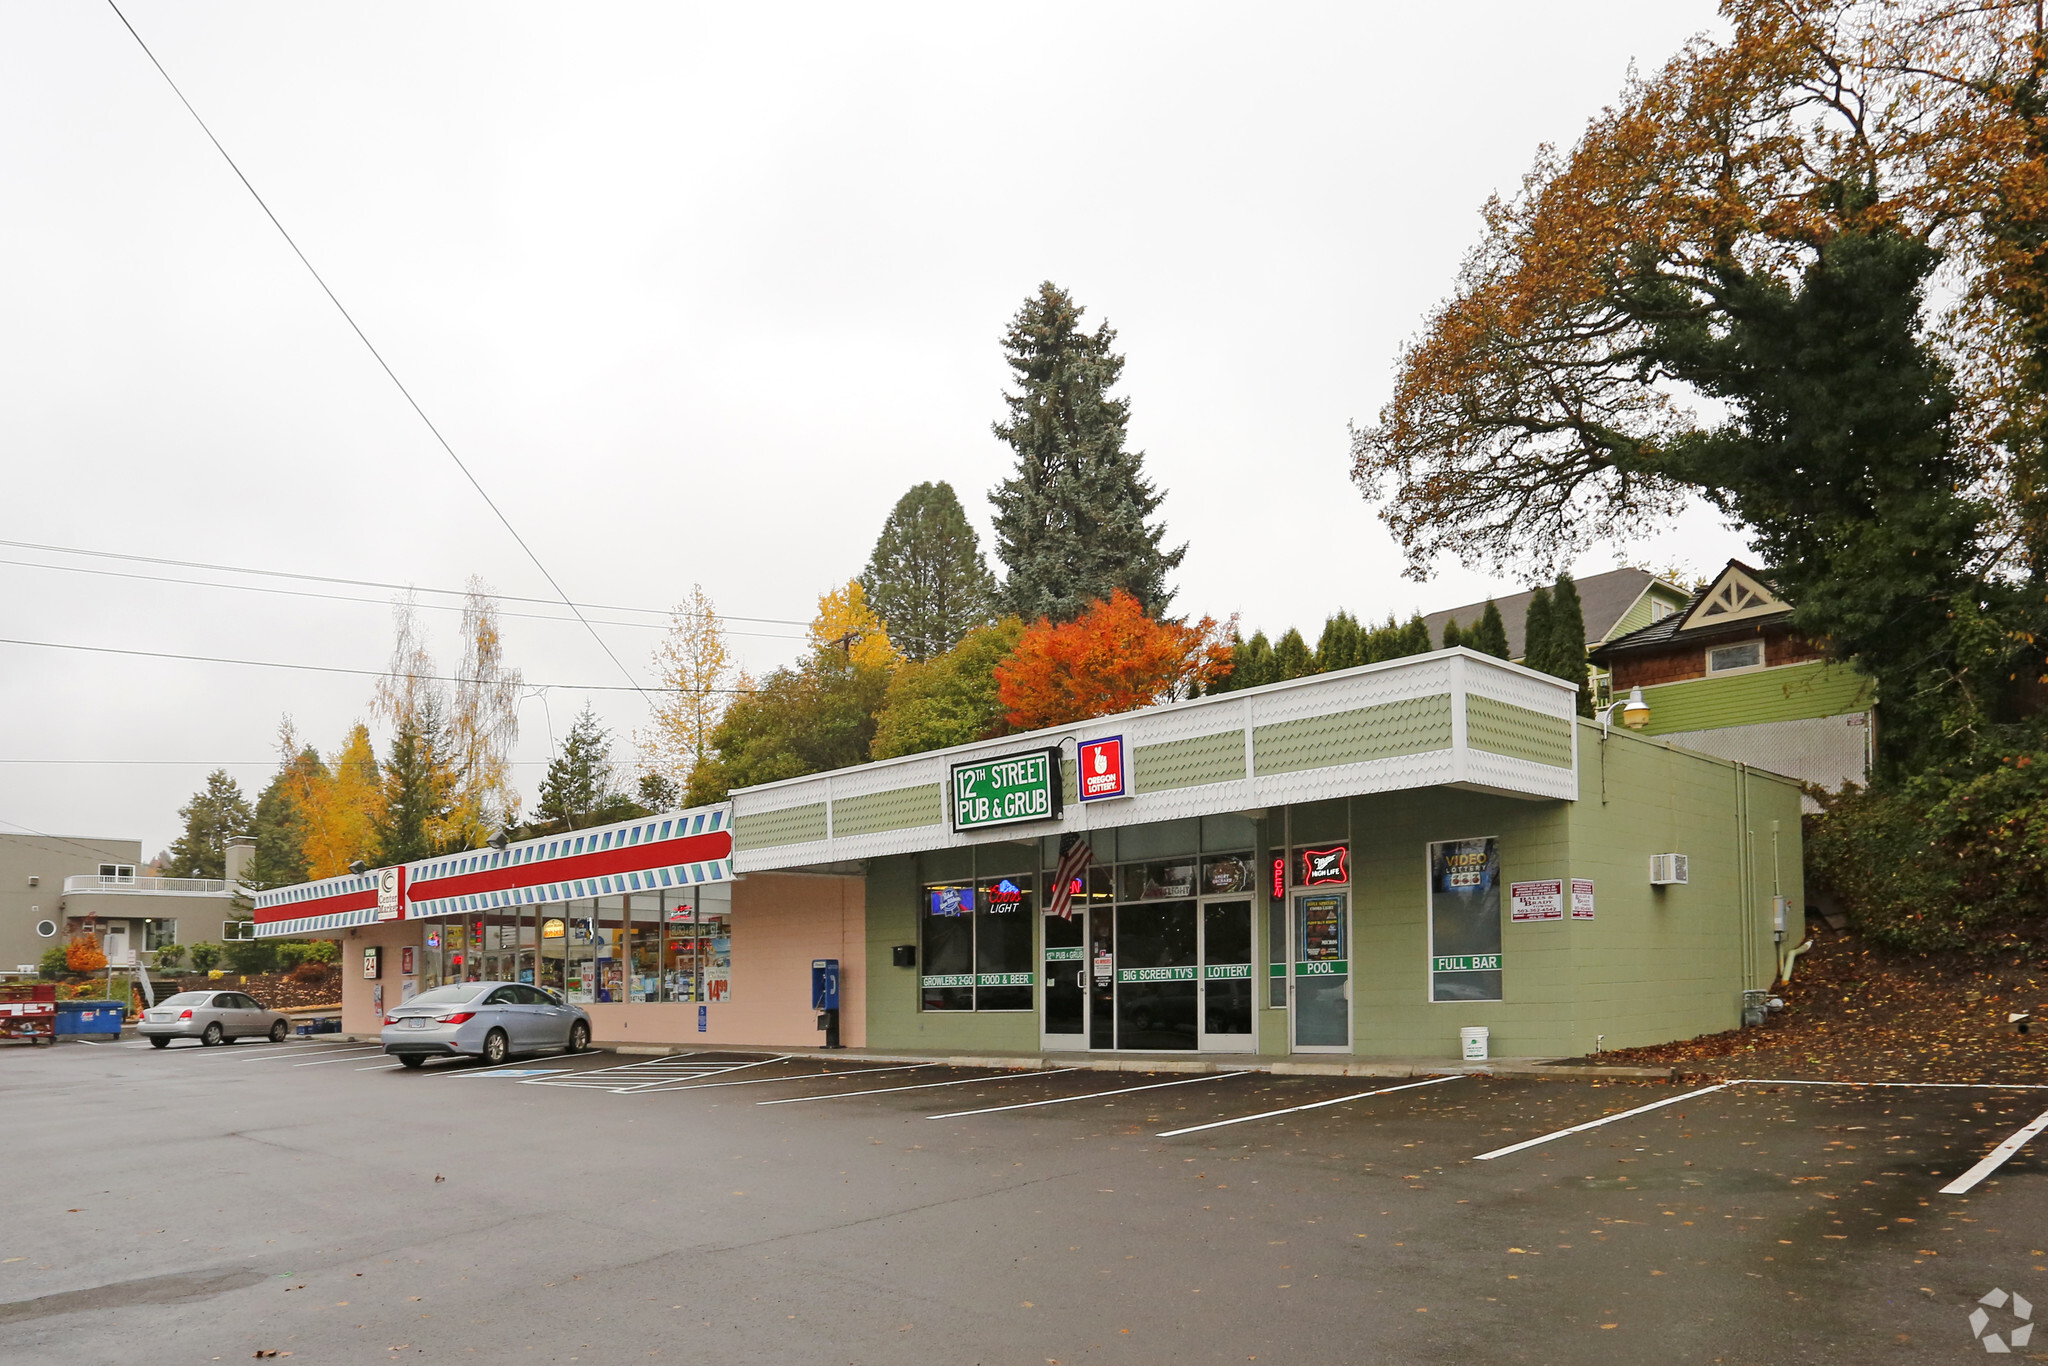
642	924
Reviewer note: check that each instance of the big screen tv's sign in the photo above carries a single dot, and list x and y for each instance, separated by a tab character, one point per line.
1007	790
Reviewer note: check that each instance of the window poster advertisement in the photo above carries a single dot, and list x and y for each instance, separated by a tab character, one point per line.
405	961
1582	898
1322	928
1464	920
1536	900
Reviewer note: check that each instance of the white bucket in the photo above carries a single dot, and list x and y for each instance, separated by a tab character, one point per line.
1474	1040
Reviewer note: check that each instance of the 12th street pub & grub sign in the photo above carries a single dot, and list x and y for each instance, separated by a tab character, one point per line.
1007	790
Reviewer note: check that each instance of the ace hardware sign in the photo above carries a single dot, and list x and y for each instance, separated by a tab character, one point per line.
1006	790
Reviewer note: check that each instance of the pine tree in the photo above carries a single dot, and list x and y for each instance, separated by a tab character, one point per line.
1536	632
578	789
1340	646
1075	521
216	813
926	578
1453	637
1568	640
419	790
281	827
1490	636
1291	657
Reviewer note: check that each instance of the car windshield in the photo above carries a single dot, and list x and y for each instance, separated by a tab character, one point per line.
460	995
188	998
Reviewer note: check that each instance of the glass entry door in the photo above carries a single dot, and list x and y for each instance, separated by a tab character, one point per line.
1321	972
1158	969
1227	977
1065	974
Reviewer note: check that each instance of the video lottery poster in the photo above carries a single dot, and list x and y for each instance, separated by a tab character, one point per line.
1464	920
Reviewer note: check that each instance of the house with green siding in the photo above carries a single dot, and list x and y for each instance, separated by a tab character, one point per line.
1727	675
1613	604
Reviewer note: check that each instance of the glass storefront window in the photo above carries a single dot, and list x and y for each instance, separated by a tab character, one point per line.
1169	880
1002	944
947	920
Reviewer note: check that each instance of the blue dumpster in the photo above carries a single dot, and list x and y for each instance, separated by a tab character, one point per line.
90	1017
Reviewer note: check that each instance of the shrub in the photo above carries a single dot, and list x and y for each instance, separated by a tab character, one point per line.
310	974
251	955
215	975
323	951
169	956
290	954
1946	861
86	991
53	965
83	954
204	956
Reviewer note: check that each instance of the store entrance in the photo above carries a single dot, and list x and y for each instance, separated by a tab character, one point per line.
1151	976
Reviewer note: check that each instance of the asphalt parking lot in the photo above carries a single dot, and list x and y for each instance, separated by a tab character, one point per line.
195	1205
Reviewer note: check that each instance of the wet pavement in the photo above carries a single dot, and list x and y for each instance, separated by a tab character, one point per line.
207	1204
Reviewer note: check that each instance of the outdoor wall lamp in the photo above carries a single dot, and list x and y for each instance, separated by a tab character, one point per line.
1635	712
359	867
498	841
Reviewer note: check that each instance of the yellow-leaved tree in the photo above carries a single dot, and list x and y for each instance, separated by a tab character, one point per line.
696	670
341	805
847	626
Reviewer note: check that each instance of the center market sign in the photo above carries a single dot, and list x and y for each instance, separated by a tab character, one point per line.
1007	790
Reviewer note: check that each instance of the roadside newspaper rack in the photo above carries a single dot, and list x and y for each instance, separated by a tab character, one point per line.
28	1010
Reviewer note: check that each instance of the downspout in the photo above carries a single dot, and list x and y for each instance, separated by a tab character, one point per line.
1791	956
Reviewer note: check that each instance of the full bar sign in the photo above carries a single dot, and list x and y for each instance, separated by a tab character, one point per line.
1004	791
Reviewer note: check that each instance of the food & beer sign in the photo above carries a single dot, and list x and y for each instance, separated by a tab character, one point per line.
1006	790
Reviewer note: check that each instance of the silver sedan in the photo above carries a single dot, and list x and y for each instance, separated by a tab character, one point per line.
488	1020
212	1017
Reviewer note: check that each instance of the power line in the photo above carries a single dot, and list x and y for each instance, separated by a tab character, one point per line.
375	602
357	583
97	853
364	337
207	763
339	669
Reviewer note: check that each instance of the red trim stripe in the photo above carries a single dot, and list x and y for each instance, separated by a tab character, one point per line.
634	858
326	905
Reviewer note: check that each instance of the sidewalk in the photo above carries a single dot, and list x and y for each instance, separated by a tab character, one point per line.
1183	1062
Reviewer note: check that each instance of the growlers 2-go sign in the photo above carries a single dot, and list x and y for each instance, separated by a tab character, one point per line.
1004	791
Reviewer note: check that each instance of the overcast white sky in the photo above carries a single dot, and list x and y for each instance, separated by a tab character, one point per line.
698	291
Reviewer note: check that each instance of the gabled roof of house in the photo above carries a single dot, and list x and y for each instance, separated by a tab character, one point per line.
1604	598
1738	594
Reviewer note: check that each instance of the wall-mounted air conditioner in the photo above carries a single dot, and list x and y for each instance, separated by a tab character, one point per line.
1669	870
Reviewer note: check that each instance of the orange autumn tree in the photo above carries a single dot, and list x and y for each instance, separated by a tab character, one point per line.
1111	658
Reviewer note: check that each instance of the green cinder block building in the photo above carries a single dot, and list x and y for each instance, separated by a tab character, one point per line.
1362	863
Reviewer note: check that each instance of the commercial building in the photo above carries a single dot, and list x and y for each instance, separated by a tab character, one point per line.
1361	863
55	886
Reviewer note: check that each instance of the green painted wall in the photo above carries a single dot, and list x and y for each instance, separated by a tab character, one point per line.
794	825
1504	728
1797	692
894	1021
1656	963
1415	725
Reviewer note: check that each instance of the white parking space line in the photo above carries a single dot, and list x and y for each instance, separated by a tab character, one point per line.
381	1067
920	1086
331	1055
473	1071
1922	1085
346	1057
632	1075
1092	1095
1605	1119
764	1081
1313	1105
1996	1158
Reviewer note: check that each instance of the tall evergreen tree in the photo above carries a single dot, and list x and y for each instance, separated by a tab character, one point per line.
1490	636
1536	631
1251	665
216	813
926	578
1568	640
1453	637
1291	657
1414	638
281	825
419	790
1340	646
1075	522
580	788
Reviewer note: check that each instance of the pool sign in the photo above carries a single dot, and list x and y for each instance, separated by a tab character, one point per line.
1004	791
1102	769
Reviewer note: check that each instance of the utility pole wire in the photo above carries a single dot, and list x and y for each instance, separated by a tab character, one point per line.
377	355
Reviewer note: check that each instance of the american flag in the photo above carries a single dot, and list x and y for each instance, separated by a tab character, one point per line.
1076	854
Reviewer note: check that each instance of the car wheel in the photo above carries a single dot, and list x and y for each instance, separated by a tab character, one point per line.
579	1037
412	1060
159	1041
277	1032
211	1035
496	1047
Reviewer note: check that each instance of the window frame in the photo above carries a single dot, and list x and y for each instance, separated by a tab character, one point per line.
1763	659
